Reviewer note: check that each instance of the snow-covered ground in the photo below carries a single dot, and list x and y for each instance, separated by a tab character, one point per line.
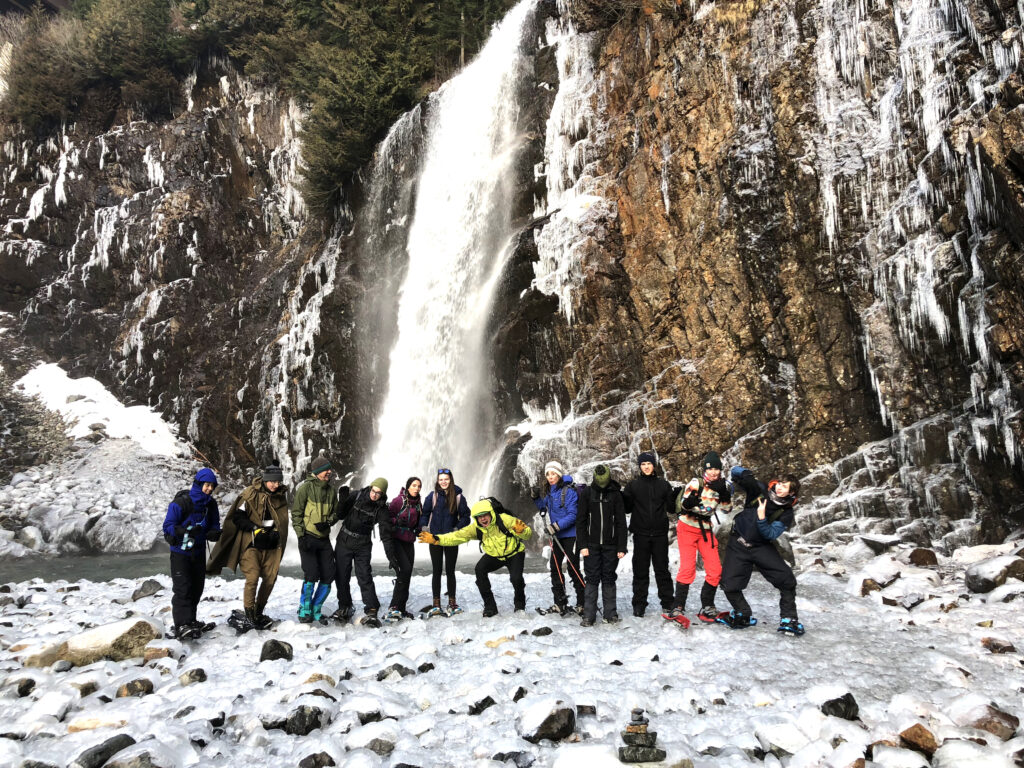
715	696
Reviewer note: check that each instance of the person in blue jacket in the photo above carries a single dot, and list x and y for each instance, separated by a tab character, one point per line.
444	510
192	519
767	514
557	499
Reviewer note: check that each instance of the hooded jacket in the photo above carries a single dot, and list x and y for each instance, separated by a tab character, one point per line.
493	541
438	519
649	502
561	504
360	514
778	517
253	505
196	509
315	502
602	518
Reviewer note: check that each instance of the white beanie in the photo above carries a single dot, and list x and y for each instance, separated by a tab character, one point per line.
554	466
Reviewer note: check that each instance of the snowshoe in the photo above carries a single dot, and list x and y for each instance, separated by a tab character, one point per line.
735	620
343	615
561	610
613	619
587	622
453	609
184	632
393	617
791	627
492	610
435	611
370	619
676	615
239	622
708	614
263	621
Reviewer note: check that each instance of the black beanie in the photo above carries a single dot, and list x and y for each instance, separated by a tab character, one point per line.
273	474
711	461
645	456
602	476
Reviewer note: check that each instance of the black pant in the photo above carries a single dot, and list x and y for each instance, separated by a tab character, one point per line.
600	567
651	551
317	559
405	554
449	555
188	578
488	564
557	580
345	557
740	562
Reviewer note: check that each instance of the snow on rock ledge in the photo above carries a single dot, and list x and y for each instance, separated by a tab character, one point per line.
989	574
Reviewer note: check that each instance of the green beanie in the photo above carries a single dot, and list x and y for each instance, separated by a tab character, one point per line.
602	476
381	483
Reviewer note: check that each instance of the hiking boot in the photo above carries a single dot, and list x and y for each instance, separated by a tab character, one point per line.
263	621
370	618
343	614
200	628
612	619
490	610
791	626
561	610
678	615
735	620
708	614
639	612
587	622
453	608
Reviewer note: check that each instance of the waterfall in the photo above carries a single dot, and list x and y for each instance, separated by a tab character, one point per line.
437	410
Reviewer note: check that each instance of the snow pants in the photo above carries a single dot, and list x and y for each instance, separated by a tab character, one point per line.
488	564
600	567
405	554
448	556
557	580
740	562
691	541
317	559
345	556
259	564
651	551
188	579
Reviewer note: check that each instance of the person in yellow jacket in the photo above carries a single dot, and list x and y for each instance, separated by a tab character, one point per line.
501	538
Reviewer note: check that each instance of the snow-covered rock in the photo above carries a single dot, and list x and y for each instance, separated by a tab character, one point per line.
551	717
989	574
120	640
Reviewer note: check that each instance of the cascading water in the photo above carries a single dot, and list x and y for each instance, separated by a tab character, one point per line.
437	408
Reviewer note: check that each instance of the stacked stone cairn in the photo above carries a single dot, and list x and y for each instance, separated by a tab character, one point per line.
639	741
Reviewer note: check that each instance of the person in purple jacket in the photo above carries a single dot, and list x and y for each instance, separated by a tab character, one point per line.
444	510
398	530
192	519
557	499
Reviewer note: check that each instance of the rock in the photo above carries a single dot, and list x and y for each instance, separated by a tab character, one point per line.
920	739
648	739
96	756
91	723
62	665
549	718
957	753
498	641
305	719
481	705
781	737
542	631
148	588
98	426
519	694
879	543
191	676
998	645
990	718
317	760
395	669
426	666
641	754
86	687
141	687
845	707
153	652
868	586
317	677
989	574
119	641
24	686
520	759
923	558
30	537
379	737
276	649
149	757
583	710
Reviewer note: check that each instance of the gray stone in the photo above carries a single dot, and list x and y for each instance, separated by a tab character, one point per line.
318	760
641	754
648	739
148	588
989	574
141	687
845	707
391	669
923	558
96	756
141	760
305	719
521	759
481	705
191	676
541	631
276	649
559	724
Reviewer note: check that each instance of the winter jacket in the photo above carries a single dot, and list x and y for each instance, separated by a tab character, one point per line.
253	506
436	517
778	517
315	502
493	540
699	508
602	518
401	522
196	510
359	516
649	502
561	504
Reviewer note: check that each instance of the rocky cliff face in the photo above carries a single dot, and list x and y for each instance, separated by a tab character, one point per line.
800	253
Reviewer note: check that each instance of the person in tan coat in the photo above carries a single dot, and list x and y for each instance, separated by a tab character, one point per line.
254	537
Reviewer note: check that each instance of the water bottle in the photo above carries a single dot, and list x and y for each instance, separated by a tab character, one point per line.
188	540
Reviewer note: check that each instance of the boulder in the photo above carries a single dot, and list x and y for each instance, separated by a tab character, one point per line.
923	558
191	676
396	669
94	757
379	737
548	718
118	641
276	649
317	760
844	707
148	588
920	739
989	574
305	719
30	537
140	687
998	645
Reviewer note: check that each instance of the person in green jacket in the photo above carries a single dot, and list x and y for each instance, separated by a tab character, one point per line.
314	510
501	538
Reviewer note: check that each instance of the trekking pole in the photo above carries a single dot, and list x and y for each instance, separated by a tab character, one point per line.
567	559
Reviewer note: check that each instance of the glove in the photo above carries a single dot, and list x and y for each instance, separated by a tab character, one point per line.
323	526
264	538
691	487
426	537
213	535
534	493
550	528
518	526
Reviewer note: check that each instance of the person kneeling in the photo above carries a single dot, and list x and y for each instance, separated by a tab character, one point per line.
501	538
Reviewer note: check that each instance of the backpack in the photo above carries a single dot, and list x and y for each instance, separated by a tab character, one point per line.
578	487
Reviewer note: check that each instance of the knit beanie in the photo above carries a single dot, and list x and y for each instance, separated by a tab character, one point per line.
711	461
321	464
381	483
645	456
273	474
554	466
602	476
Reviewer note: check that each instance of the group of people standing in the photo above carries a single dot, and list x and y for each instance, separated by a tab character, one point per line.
587	526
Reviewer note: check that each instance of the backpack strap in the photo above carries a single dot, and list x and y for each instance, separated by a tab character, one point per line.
183	500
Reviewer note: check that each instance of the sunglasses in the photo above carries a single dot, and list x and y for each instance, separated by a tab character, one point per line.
444	471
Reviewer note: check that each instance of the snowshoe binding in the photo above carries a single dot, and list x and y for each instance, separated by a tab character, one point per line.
453	609
263	622
708	614
676	615
561	610
241	622
393	616
343	615
791	627
184	632
370	619
735	620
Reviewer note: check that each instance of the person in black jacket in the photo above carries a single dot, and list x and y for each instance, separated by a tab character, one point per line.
360	513
766	515
649	502
601	538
